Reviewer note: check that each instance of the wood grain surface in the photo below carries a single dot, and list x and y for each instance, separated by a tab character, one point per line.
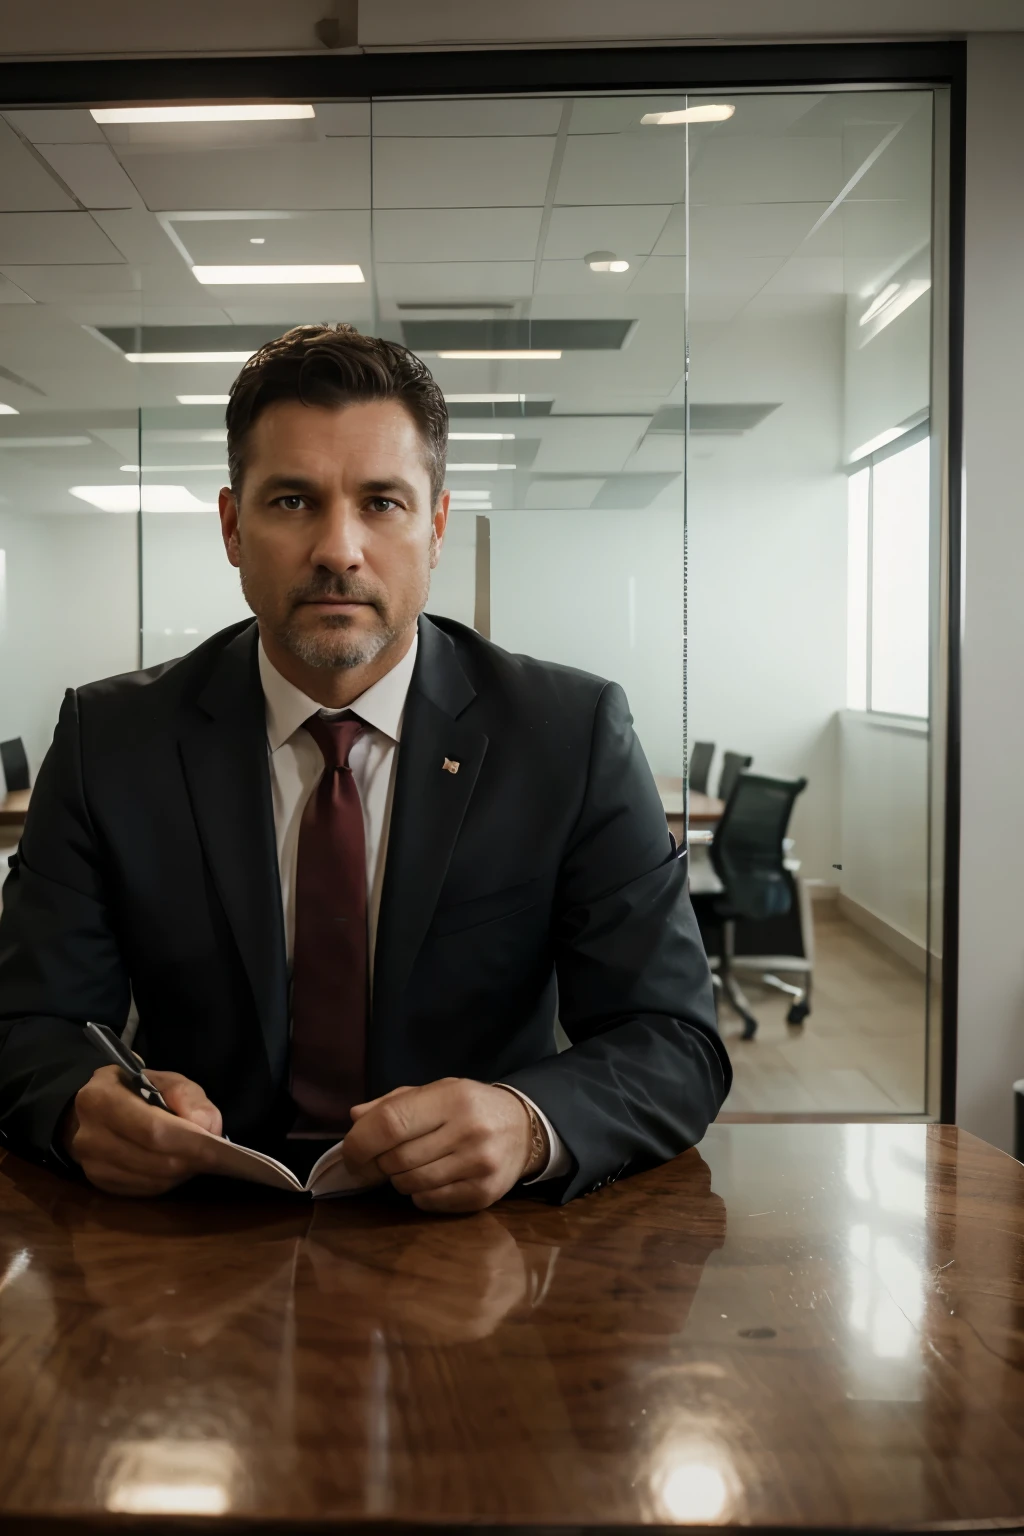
813	1326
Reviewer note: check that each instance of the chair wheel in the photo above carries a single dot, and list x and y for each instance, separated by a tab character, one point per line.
798	1013
749	1028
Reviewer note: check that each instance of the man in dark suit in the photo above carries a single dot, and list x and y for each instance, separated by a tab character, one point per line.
348	862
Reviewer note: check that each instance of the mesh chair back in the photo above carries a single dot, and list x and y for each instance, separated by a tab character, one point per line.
14	763
733	765
700	766
747	851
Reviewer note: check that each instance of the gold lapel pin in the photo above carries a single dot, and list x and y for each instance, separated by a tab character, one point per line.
450	766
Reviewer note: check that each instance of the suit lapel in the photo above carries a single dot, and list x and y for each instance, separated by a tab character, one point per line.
224	751
427	812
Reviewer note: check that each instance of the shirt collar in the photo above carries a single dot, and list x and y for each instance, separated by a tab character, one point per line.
382	705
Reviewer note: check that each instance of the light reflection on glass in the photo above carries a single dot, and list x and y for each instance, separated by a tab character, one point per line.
169	1477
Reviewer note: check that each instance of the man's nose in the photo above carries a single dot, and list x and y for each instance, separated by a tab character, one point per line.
339	544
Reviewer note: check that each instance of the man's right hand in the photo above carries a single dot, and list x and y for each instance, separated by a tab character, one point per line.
128	1147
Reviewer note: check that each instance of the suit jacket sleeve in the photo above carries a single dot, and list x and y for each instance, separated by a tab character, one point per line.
647	1071
59	959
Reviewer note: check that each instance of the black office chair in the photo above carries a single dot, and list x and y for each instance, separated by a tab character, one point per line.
14	763
700	766
733	764
748	859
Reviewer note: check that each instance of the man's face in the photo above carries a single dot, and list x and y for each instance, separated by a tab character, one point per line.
333	531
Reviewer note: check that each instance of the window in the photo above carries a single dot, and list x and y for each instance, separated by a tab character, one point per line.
887	583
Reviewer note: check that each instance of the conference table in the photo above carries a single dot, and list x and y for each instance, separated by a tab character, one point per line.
14	807
799	1327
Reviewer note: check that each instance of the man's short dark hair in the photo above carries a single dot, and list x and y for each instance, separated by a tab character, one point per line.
336	365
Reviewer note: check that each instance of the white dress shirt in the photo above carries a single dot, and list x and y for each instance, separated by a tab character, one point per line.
296	766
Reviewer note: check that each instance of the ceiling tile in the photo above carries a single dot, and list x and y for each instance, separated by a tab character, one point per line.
627	231
94	175
761	229
343	119
660	274
14	293
807	275
457	280
562	495
138	237
302	237
575	277
456	234
522	118
57	126
588	444
762	170
639	167
24	183
461	172
40	238
332	174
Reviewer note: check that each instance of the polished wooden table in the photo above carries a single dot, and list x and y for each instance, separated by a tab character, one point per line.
14	807
795	1326
705	810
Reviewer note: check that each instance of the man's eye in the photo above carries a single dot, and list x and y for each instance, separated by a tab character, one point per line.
382	504
291	503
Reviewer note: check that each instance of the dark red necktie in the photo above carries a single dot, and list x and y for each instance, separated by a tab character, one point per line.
330	991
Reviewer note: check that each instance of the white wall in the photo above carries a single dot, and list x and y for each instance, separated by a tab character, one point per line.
884	815
887	382
67	28
71	614
767	520
603	591
189	589
991	1033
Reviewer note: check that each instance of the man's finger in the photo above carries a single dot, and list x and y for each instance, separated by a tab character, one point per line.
396	1119
358	1110
446	1172
454	1199
188	1100
418	1152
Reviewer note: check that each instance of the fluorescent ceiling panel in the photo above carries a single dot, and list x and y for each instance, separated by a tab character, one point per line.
279	274
480	469
481	437
509	355
45	442
189	357
712	112
202	399
221	114
9	410
155	498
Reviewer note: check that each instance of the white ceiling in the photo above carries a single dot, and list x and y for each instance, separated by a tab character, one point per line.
792	208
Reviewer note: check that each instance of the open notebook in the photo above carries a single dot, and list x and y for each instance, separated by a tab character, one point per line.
328	1176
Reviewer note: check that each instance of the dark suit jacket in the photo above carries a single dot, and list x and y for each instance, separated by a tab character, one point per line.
539	878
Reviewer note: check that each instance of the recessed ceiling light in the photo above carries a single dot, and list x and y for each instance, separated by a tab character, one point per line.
155	498
479	469
257	239
249	114
461	495
9	410
280	274
606	261
45	442
481	437
168	469
501	355
202	399
708	114
189	357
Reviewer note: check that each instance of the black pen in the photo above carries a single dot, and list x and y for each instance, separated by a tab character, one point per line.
114	1049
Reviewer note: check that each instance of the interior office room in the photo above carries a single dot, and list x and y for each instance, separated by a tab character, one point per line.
601	502
725	311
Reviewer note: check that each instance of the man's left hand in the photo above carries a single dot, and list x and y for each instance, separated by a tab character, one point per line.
453	1145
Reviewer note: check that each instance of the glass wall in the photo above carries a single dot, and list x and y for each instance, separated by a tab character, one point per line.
809	523
555	260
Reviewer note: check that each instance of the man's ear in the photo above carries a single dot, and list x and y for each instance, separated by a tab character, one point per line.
227	504
440	521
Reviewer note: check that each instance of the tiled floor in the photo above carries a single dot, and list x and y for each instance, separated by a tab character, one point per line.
861	1051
